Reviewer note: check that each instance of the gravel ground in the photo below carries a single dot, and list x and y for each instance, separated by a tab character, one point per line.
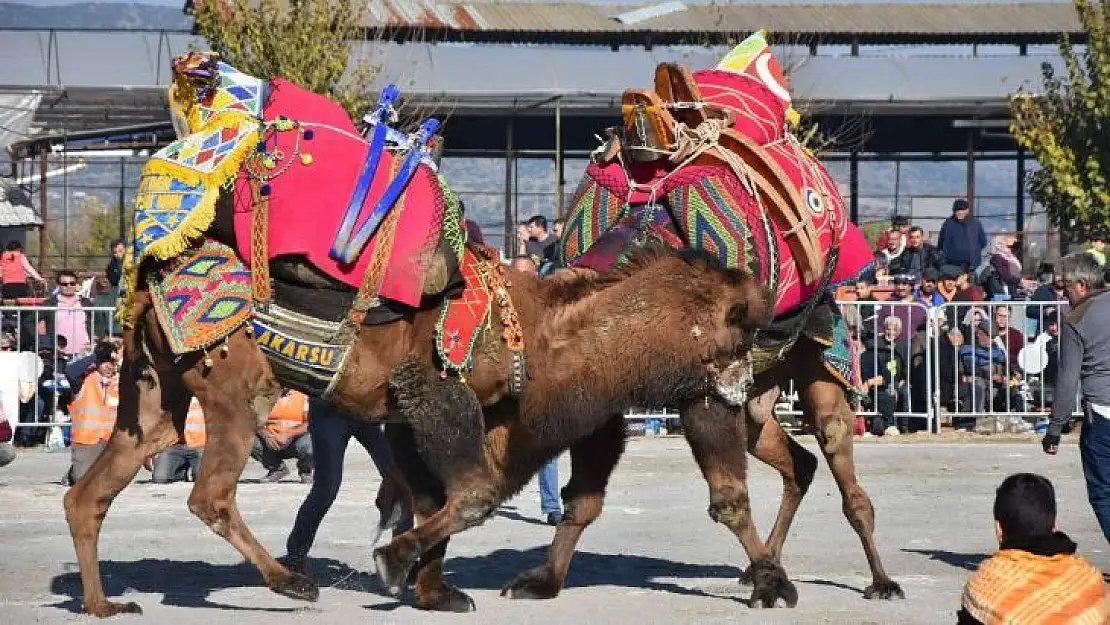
653	557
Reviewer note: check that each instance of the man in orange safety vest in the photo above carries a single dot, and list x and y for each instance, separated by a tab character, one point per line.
181	462
285	435
93	414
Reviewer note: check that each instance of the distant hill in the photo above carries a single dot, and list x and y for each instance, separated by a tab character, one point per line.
104	15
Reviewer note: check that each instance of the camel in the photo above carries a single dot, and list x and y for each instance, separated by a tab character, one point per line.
707	161
693	322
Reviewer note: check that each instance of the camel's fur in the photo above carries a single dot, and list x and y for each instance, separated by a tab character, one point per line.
688	314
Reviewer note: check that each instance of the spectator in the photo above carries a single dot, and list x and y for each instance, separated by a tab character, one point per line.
1098	249
93	415
949	342
1005	281
912	317
1051	291
927	292
883	367
865	293
181	462
541	245
948	286
79	369
285	436
918	256
114	271
1010	339
550	506
977	359
1085	365
1036	576
71	320
104	296
331	431
895	245
15	269
962	239
1046	361
967	290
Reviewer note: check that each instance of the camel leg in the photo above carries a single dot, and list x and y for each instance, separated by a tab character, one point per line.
825	404
448	434
428	498
231	428
774	447
717	439
592	462
143	427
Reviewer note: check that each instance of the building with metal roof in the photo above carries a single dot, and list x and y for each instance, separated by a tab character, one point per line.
895	81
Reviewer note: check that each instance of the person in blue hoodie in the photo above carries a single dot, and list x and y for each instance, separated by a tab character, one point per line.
962	239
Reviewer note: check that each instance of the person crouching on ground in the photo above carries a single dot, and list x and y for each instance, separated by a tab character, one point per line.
93	414
285	435
1036	576
181	462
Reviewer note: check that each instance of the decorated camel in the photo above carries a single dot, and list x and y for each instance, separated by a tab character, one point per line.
234	289
708	161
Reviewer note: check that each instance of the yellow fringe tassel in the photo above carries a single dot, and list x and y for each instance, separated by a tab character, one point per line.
197	222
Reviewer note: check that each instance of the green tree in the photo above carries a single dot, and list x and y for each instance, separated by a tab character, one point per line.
1066	126
308	42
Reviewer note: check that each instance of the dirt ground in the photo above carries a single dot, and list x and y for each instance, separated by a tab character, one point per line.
653	557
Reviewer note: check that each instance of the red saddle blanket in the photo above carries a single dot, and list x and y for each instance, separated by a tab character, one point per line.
315	168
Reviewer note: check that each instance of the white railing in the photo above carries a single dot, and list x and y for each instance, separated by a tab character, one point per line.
927	374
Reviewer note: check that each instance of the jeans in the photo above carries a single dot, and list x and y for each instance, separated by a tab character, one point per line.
1094	450
330	431
176	463
549	487
272	459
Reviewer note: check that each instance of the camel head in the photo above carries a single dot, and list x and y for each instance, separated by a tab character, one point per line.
725	329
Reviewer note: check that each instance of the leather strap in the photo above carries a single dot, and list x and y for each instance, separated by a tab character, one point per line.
261	288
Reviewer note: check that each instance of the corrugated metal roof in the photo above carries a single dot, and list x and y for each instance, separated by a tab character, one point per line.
15	207
934	19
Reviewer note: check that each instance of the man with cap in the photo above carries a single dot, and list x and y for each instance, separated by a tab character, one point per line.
912	317
962	239
927	292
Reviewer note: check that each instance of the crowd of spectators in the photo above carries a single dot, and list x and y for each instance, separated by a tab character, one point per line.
998	339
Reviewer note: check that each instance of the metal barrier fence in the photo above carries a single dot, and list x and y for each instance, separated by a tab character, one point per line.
921	364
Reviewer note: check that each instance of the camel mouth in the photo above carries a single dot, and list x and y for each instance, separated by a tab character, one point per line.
731	384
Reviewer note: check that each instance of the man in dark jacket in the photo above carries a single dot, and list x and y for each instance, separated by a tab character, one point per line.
114	270
918	255
962	239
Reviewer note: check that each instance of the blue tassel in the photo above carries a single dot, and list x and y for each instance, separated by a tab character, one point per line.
264	189
308	134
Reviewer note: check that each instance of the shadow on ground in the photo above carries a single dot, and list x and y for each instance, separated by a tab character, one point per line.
189	583
965	561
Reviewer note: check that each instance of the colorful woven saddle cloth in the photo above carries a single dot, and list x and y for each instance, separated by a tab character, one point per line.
463	318
303	154
201	296
752	213
311	166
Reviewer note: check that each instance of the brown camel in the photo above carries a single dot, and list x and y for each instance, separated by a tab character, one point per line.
692	321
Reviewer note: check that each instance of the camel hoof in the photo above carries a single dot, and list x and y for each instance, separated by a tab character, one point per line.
448	599
535	584
108	608
887	590
297	586
772	589
391	570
